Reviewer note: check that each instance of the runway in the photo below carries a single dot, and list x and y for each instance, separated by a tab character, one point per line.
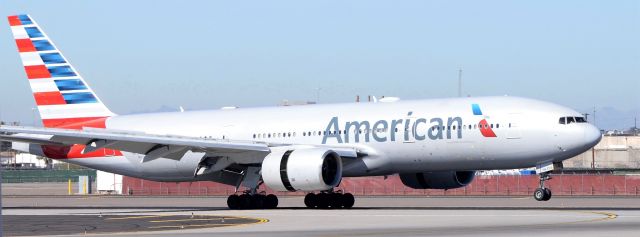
374	216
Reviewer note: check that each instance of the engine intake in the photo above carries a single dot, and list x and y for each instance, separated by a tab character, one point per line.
307	169
438	180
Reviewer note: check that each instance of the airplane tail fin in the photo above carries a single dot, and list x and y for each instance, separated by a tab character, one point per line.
63	98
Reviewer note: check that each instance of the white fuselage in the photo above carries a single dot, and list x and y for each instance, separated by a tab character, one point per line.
527	133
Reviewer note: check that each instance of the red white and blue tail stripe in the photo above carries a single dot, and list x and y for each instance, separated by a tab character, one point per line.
63	98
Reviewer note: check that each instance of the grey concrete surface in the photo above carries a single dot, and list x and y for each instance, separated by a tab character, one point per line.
44	225
378	216
217	203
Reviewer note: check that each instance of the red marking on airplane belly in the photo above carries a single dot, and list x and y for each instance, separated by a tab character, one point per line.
75	151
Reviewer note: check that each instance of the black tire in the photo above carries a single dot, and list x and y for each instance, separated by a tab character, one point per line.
233	202
245	201
539	194
311	200
335	200
348	200
547	194
323	200
258	201
271	201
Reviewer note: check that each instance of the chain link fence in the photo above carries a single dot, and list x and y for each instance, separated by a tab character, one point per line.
516	185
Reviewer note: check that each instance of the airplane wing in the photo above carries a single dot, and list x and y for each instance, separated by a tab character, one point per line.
152	146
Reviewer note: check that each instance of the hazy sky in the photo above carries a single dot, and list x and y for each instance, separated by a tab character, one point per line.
141	55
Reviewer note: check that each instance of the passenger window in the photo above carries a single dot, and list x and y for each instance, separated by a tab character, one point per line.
475	126
497	125
570	120
492	125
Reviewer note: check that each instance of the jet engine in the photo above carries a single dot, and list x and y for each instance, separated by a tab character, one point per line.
438	180
305	169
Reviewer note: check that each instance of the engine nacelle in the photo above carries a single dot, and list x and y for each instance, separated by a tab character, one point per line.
306	169
438	180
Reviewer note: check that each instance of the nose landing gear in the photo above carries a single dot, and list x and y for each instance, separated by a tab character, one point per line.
544	169
542	193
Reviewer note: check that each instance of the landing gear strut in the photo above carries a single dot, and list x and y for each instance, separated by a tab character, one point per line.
329	200
252	201
542	193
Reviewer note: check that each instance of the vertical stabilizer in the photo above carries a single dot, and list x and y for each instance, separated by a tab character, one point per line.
63	98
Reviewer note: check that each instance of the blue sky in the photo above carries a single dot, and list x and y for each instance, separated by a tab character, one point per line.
142	55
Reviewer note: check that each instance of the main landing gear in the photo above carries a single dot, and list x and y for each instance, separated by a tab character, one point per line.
542	193
329	200
252	201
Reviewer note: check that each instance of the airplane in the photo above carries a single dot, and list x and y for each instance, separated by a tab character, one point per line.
430	144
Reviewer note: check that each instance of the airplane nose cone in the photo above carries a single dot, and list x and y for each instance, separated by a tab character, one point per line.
592	136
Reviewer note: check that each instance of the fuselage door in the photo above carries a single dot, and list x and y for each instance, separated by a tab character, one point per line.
514	126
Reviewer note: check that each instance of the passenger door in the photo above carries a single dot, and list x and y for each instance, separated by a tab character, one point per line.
514	126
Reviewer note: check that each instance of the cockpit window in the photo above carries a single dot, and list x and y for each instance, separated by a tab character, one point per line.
568	120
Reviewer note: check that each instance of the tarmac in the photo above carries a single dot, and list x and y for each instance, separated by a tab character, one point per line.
372	216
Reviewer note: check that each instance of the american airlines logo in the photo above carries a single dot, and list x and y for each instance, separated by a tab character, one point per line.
389	130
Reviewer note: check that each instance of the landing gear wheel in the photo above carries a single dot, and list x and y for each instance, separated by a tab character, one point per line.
233	202
542	194
245	201
329	200
311	200
335	200
271	201
257	201
539	194
547	193
323	200
348	200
